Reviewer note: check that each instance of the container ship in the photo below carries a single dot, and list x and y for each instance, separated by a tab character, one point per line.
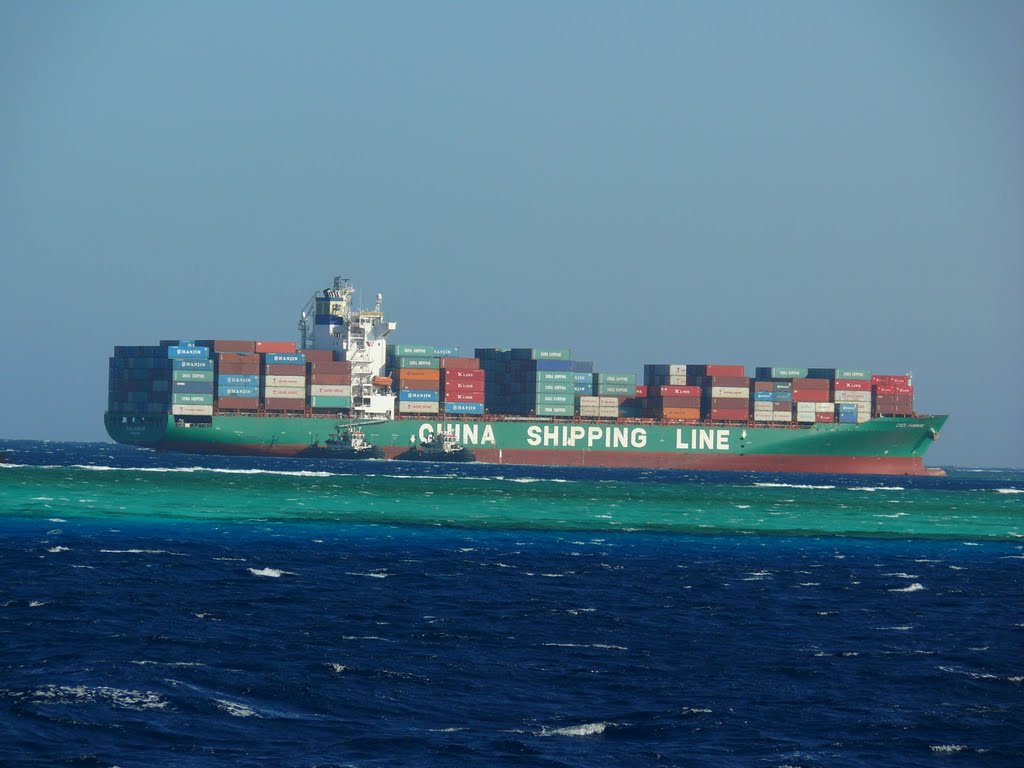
515	406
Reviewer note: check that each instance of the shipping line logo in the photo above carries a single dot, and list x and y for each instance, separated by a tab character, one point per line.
583	437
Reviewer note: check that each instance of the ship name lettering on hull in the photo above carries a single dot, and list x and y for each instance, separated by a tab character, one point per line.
702	440
468	434
577	436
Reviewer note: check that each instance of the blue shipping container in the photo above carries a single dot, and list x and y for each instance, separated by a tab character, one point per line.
847	418
236	391
284	358
764	396
238	380
553	365
583	389
193	365
193	387
582	366
583	378
189	353
471	408
847	407
424	395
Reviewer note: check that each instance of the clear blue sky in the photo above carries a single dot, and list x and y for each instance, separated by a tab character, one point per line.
796	183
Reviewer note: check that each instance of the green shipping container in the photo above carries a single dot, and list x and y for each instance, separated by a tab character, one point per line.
324	401
853	373
417	361
629	390
545	399
555	387
615	378
548	376
399	350
193	376
789	373
551	354
192	399
554	410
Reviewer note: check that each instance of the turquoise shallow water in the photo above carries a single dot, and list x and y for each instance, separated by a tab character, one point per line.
159	609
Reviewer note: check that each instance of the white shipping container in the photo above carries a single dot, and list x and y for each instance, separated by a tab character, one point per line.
608	413
804	416
412	406
285	393
850	396
863	416
863	407
677	370
608	402
590	412
761	407
677	379
284	381
589	401
782	416
730	392
805	407
824	407
331	390
763	416
192	410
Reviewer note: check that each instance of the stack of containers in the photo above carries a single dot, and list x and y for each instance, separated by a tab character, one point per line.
725	391
583	378
417	377
236	374
190	397
283	381
773	392
329	381
597	407
656	375
140	381
542	382
848	386
462	386
892	396
673	402
813	399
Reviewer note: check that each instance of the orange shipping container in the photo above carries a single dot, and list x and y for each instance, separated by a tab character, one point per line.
284	347
418	374
460	363
685	414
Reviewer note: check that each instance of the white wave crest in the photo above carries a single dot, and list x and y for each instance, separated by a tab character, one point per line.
37	603
902	575
795	485
141	552
339	668
235	709
371	574
189	470
587	729
948	748
602	646
274	573
54	519
59	549
1009	490
81	694
915	587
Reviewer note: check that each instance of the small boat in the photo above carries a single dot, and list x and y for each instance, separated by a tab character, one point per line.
350	443
440	446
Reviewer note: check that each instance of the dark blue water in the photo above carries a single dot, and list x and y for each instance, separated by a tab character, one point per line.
134	639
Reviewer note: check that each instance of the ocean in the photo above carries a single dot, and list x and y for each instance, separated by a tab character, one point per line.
172	610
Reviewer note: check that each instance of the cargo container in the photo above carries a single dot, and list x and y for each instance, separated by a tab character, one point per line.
425	395
281	358
181	409
417	406
284	404
284	381
193	365
185	387
283	369
238	403
284	393
463	408
192	376
233	391
274	347
330	401
418	374
320	390
780	373
852	385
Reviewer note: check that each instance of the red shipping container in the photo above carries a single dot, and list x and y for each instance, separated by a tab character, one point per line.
903	390
641	390
464	397
284	404
284	347
245	369
452	374
727	381
852	385
318	355
237	357
460	363
337	366
336	379
729	414
674	402
238	403
763	386
782	407
285	369
423	385
903	381
671	390
726	370
730	403
811	395
811	384
464	386
824	418
885	389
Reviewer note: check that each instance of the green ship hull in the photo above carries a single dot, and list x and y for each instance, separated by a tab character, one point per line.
881	446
